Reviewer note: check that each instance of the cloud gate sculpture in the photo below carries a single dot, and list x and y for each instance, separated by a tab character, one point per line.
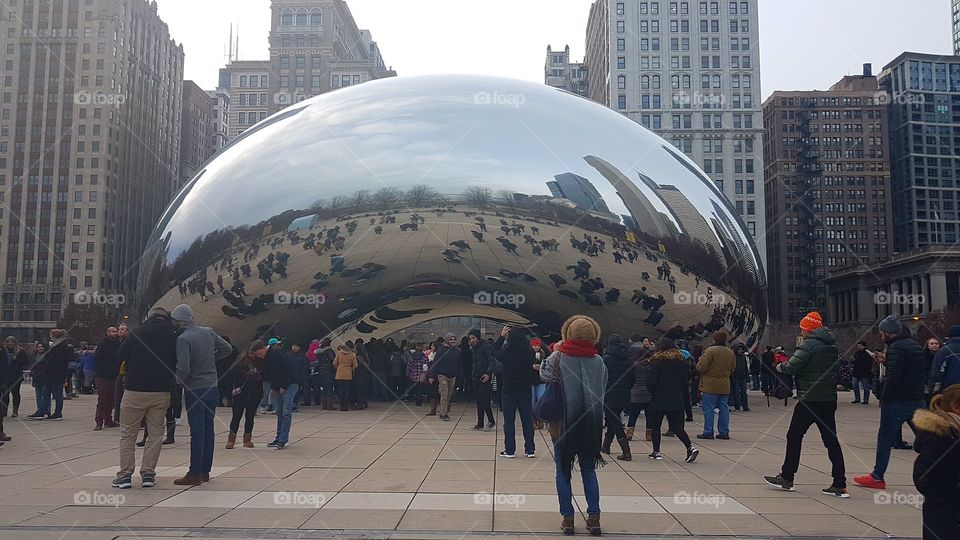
370	209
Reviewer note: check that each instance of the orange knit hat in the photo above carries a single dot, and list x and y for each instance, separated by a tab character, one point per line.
811	322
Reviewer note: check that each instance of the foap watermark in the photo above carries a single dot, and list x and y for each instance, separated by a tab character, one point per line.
896	497
696	298
696	498
498	98
485	498
299	299
902	98
86	498
299	499
98	98
497	298
97	298
885	298
286	98
706	101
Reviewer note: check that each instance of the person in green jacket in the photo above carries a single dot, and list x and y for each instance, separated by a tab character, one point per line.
814	365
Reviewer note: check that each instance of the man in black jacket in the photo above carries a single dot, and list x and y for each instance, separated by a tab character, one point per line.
285	374
150	353
483	366
55	373
106	368
862	373
900	393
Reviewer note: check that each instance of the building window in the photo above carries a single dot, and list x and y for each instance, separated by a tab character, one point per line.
621	102
621	62
316	17
622	82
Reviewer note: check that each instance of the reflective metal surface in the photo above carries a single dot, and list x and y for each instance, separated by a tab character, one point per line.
372	208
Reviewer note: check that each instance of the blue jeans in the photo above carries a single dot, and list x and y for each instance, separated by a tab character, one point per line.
709	403
538	391
892	416
52	391
512	404
591	489
265	400
857	382
201	407
738	394
284	406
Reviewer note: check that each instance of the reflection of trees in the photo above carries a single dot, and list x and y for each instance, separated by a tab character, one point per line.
421	195
386	197
360	199
479	196
337	202
505	196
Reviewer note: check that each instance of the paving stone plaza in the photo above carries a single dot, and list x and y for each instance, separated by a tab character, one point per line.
391	472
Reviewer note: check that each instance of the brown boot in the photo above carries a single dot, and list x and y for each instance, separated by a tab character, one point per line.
231	441
188	480
593	525
629	431
607	441
205	477
433	408
648	434
624	449
567	525
248	440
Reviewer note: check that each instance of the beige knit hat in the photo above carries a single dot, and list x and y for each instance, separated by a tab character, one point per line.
581	327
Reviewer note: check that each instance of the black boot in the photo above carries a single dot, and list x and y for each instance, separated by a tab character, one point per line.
607	441
624	449
171	428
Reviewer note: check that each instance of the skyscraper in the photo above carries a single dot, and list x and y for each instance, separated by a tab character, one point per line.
923	92
88	153
560	72
197	131
315	47
827	189
688	71
955	10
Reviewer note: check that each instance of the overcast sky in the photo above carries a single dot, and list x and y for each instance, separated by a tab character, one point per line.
804	44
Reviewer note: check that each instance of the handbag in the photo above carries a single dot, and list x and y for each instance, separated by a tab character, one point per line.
549	408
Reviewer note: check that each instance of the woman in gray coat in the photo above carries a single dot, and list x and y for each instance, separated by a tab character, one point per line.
639	394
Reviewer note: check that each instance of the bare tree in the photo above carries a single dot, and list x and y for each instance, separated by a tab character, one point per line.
337	202
506	197
421	195
478	196
360	199
386	197
318	205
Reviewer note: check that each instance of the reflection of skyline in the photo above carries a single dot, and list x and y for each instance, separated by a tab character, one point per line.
578	189
692	223
648	220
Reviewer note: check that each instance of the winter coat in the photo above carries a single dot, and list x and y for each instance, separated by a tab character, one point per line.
446	362
415	362
484	362
517	377
345	364
639	393
57	358
11	370
107	359
742	368
862	365
904	379
814	366
936	472
666	380
198	349
88	360
620	376
945	370
397	365
150	355
755	364
715	367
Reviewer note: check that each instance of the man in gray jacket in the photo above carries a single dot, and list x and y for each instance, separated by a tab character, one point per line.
198	349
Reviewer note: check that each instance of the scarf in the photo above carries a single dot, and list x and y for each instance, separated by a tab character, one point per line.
584	382
578	347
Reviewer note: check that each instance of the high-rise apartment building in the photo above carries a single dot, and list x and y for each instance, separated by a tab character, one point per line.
89	147
690	72
221	118
923	92
955	11
560	72
827	189
197	131
315	47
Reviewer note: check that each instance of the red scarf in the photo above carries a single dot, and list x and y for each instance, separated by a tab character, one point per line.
578	347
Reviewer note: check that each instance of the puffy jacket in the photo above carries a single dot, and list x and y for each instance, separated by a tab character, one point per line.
666	381
946	367
862	364
446	362
715	367
13	364
742	368
107	359
904	376
639	393
57	358
814	366
88	361
936	472
517	377
620	376
345	364
150	355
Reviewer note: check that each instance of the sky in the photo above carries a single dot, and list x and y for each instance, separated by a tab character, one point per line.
804	44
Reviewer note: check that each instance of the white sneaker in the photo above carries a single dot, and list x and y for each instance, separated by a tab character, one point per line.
531	455
655	455
506	455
